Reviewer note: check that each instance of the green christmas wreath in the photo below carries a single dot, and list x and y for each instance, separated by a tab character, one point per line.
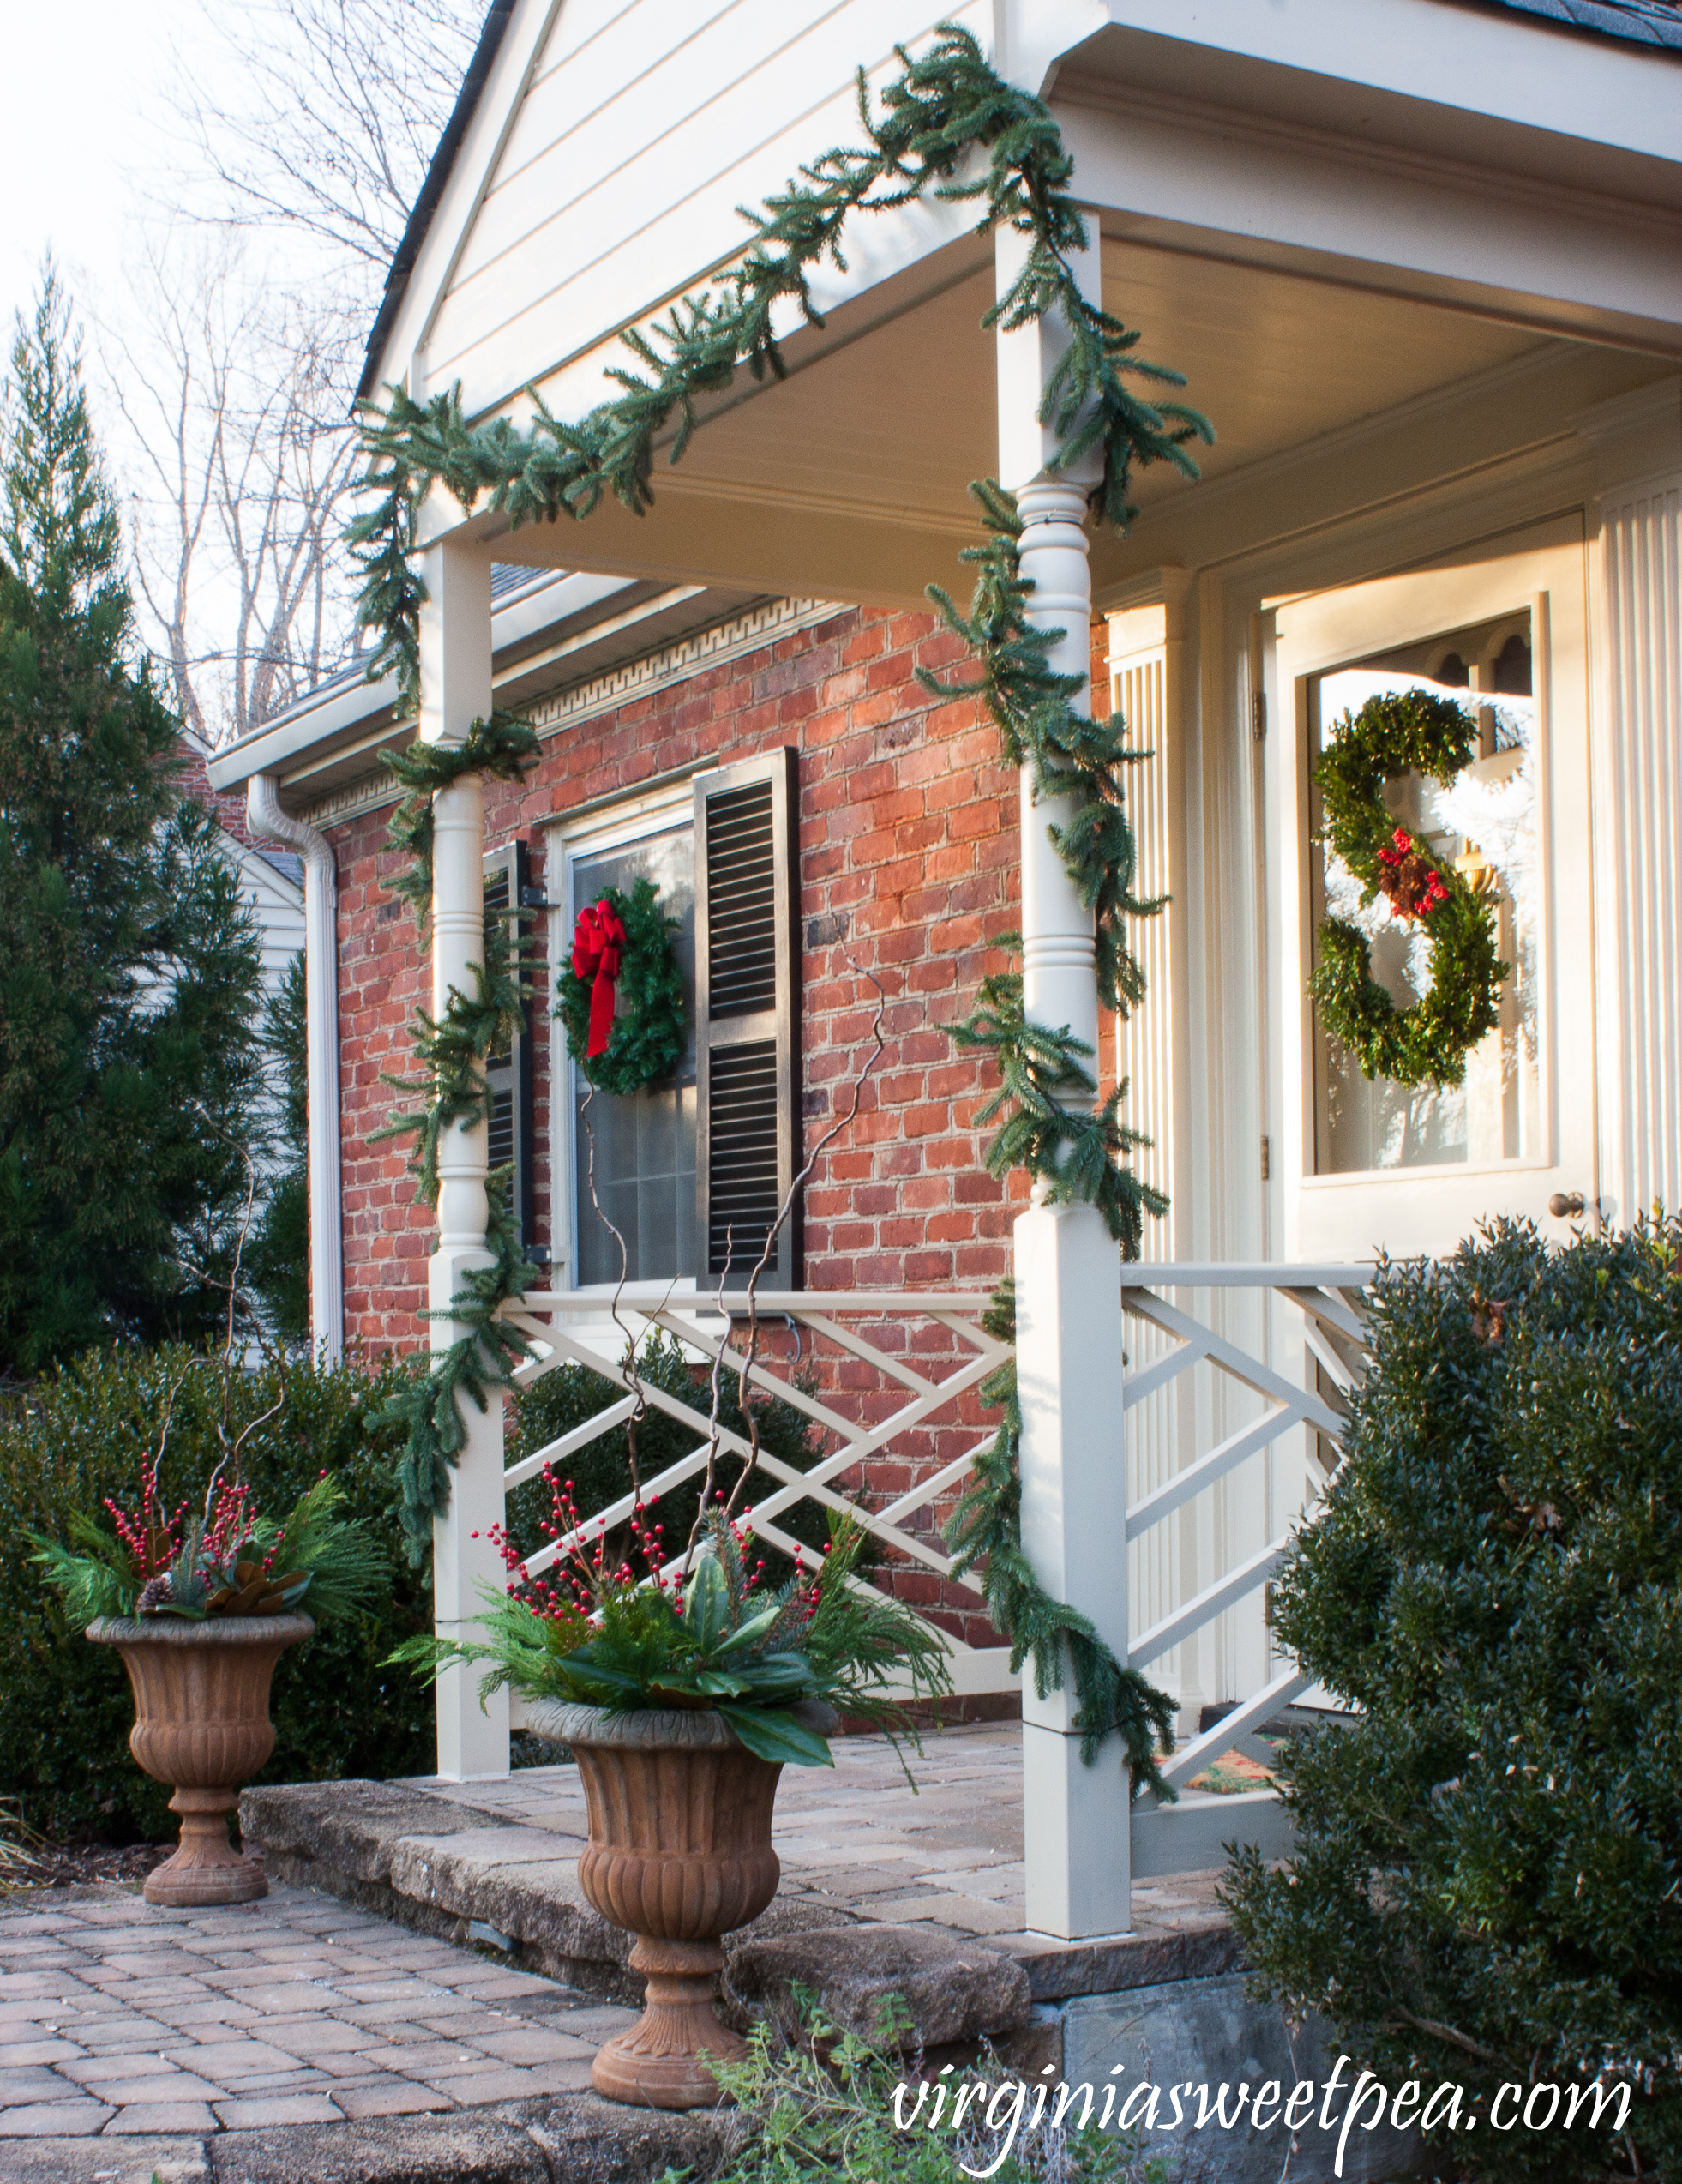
621	993
1411	731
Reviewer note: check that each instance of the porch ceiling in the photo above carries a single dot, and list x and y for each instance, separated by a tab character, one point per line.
849	479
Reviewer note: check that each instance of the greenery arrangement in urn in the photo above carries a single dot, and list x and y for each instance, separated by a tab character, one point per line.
702	1631
1486	1887
228	1560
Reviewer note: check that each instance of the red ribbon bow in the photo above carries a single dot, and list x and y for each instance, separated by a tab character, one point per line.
597	940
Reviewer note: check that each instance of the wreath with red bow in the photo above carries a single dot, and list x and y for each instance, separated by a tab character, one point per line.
1411	731
621	994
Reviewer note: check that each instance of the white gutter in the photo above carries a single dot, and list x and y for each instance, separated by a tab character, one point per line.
321	966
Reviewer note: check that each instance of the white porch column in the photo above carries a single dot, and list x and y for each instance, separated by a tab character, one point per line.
455	690
1069	1338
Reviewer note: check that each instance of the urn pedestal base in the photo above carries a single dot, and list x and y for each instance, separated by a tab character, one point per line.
659	2064
207	1868
680	1856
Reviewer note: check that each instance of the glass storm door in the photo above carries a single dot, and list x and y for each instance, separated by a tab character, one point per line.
1368	1165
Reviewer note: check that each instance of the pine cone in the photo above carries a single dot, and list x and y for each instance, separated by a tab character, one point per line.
155	1596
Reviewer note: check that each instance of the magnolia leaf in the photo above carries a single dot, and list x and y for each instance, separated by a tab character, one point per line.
771	1734
753	1629
707	1605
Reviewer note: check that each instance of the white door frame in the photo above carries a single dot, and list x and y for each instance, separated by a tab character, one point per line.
1414	1210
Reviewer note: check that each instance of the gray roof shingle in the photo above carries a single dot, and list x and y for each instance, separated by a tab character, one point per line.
1644	22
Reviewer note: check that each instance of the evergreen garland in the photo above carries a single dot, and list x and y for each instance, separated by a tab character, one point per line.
948	103
647	1042
1409	730
985	1530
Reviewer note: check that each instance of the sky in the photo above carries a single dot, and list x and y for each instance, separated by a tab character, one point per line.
86	134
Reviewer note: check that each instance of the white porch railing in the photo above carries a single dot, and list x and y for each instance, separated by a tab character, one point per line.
1295	1405
1206	1393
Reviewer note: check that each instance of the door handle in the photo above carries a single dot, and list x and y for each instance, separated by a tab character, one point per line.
1565	1205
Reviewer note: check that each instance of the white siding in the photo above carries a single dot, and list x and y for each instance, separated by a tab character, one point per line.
642	128
278	905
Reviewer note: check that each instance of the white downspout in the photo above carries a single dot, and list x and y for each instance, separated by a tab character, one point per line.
320	965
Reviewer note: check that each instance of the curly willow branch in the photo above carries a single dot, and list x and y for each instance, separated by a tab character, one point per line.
947	105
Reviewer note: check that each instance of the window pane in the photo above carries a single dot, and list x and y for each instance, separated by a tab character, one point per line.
645	1141
1486	817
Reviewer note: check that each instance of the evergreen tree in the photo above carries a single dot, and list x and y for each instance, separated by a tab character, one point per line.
278	1258
128	1072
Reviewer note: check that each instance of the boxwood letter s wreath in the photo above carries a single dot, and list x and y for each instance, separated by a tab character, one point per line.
621	953
1411	731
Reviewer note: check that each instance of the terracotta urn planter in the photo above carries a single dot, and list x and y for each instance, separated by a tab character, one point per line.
679	1855
202	1725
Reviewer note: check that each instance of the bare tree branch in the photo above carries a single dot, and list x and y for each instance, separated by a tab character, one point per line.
343	104
238	392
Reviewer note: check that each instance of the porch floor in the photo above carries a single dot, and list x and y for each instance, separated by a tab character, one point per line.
858	1839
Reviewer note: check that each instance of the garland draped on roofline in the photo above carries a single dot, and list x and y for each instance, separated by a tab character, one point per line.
948	103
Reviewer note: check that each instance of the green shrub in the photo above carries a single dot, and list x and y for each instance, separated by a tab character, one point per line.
601	1473
1487	1884
824	2109
65	1710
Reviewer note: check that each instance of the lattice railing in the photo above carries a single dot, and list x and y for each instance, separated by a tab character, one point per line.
914	1356
1301	1396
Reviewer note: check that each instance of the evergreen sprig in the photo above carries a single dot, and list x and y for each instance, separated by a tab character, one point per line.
1076	1154
452	1049
985	1532
483	1357
1067	753
504	746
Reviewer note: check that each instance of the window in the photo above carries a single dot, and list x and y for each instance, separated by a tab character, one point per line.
642	1144
1487	819
691	1172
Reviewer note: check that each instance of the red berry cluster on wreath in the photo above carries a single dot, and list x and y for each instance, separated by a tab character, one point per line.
1412	883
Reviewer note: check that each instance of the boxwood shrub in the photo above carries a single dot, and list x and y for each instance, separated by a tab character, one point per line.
65	1709
1487	1884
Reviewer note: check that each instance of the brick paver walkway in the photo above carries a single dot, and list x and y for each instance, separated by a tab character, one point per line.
116	2019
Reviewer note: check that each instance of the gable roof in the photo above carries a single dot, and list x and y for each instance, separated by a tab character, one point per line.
432	188
1644	22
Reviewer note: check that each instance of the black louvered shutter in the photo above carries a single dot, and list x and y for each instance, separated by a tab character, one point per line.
508	1071
746	1018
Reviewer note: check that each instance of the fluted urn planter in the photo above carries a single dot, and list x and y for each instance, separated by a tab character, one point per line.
202	1725
679	1855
